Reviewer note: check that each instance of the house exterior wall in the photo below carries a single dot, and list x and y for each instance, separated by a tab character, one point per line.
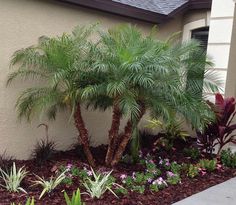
21	23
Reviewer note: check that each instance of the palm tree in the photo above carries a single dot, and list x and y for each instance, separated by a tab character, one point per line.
60	64
141	73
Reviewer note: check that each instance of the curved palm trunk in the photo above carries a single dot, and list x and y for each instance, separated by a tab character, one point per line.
126	137
83	135
113	133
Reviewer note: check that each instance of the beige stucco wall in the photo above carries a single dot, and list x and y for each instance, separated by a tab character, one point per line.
219	44
21	23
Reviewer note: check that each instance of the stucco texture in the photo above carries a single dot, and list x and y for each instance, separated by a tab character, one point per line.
21	23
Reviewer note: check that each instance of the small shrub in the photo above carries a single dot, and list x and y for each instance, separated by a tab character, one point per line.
209	165
175	168
193	171
28	202
158	184
100	183
13	179
44	149
228	158
172	178
49	186
170	132
219	133
193	153
75	199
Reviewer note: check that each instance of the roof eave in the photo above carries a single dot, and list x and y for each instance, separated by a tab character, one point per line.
121	9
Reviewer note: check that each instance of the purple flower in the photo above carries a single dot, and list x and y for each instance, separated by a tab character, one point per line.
170	174
161	161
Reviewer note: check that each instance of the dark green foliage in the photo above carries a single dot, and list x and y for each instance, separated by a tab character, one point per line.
6	161
192	152
228	158
43	151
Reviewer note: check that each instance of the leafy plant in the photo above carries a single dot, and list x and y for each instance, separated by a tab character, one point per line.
228	158
170	131
192	152
175	168
97	186
220	132
28	202
44	149
209	165
13	179
49	186
75	199
193	171
173	178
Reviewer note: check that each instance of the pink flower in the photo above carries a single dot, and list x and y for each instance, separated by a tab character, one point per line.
89	173
170	174
69	166
123	176
149	180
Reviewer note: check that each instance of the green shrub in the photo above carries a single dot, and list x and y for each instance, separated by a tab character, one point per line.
193	171
13	179
228	158
208	165
193	153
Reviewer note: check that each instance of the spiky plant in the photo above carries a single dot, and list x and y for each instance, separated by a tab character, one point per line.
60	64
141	73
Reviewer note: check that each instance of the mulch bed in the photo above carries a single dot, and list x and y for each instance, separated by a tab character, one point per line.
167	196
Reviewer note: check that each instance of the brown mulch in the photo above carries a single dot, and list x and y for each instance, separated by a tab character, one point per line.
167	196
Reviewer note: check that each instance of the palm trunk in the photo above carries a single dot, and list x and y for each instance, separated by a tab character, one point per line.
113	133
83	135
126	137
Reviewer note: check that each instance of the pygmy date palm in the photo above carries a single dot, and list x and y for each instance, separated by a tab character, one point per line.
57	63
141	73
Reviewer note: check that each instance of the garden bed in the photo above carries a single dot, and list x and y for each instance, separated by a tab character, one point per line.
166	196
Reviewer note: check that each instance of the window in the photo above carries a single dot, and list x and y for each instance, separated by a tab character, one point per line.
200	34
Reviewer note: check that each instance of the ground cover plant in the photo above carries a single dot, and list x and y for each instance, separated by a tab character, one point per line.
131	74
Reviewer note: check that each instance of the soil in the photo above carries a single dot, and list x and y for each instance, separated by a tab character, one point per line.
167	196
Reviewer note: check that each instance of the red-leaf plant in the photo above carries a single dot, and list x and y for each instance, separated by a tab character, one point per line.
220	132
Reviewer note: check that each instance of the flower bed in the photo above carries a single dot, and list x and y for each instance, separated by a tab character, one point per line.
159	178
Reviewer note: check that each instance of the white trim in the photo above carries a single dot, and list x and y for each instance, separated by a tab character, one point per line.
191	26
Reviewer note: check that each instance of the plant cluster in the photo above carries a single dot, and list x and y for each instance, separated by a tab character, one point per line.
98	184
228	158
12	179
123	70
49	185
